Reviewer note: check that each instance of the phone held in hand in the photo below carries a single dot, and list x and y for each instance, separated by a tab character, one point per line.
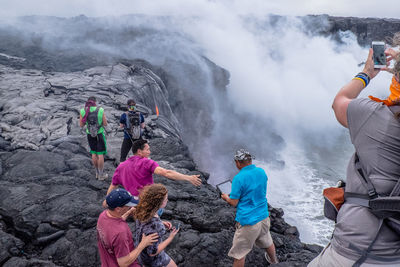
379	54
224	187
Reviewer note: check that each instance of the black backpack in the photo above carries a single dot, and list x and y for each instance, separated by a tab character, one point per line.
133	124
92	121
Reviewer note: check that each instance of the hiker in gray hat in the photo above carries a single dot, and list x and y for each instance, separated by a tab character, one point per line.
249	196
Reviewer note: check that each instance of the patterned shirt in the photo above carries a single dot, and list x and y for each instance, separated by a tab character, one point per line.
155	225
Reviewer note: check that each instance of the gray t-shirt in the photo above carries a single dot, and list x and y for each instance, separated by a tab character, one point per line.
375	134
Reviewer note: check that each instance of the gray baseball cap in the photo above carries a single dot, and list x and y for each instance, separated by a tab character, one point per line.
243	154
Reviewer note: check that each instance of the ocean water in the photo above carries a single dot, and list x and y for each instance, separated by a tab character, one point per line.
297	189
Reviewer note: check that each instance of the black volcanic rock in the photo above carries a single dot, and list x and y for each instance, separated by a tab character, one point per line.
365	29
51	199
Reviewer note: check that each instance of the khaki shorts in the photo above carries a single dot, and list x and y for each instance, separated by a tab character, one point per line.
330	258
248	235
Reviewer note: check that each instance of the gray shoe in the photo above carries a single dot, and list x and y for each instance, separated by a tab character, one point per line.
103	177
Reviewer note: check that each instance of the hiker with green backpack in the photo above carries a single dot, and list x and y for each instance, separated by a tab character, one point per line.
95	120
367	229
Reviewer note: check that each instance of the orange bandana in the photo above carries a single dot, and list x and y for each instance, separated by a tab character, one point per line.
394	97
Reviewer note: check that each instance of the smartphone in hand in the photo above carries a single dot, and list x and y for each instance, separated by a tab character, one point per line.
379	54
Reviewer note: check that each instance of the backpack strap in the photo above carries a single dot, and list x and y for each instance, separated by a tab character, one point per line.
97	116
396	190
130	137
388	205
366	253
395	109
363	200
127	122
357	199
365	179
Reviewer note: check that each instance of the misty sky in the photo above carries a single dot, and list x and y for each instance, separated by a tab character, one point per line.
358	8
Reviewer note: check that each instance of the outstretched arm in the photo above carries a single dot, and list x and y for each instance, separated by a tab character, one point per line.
351	91
170	174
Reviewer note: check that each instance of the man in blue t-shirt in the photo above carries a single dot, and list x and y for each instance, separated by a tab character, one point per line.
124	123
249	195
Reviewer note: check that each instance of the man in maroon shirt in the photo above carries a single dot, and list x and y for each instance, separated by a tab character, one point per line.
114	237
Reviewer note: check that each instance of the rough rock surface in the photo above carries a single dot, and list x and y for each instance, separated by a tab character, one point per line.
194	86
50	198
365	29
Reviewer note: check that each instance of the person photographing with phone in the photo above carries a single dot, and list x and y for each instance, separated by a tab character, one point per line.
249	196
362	237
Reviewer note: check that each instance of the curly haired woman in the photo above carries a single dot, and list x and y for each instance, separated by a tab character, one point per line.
152	198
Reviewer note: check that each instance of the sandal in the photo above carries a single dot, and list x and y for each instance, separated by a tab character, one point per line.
267	258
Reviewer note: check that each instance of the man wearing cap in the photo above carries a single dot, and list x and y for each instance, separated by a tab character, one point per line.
137	171
248	194
114	237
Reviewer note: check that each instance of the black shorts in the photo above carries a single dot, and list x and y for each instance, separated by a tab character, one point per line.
97	144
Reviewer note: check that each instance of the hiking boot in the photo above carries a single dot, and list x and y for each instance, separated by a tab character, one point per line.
103	177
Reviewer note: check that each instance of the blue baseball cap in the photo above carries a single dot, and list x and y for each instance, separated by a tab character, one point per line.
119	198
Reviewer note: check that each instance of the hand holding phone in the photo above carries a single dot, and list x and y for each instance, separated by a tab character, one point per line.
174	231
379	56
